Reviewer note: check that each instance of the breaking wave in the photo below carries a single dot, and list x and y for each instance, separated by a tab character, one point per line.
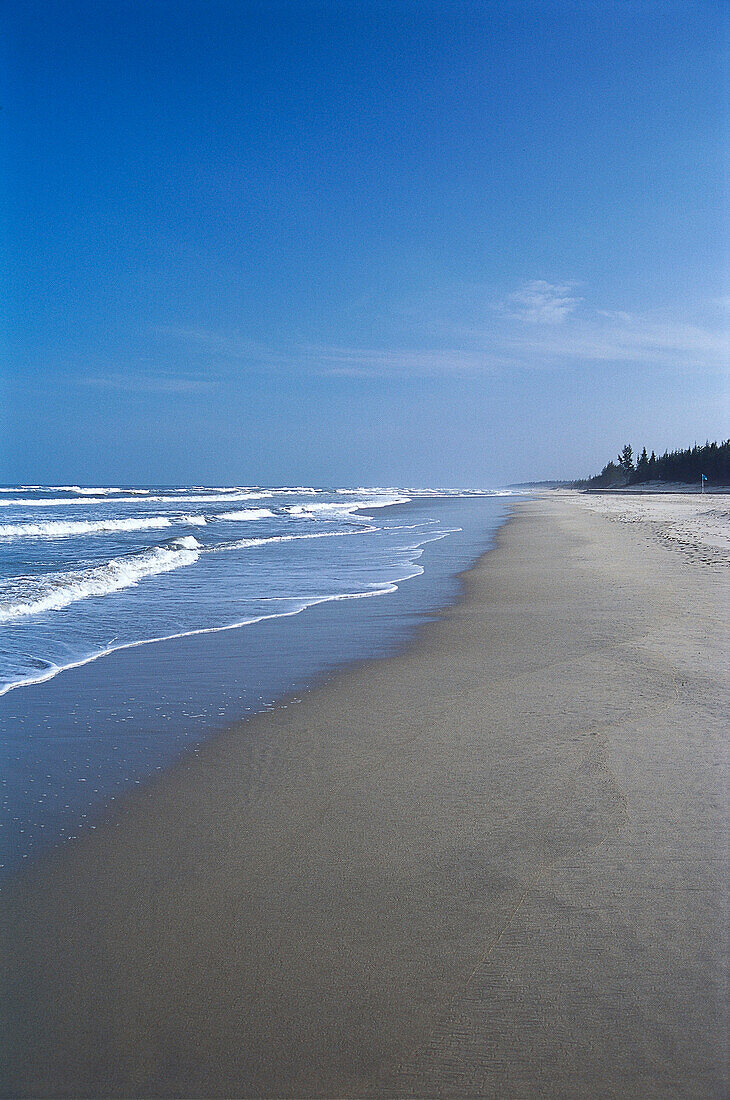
59	529
195	498
58	590
242	543
338	509
247	513
86	491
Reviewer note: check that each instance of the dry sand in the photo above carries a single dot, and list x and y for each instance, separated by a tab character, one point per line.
492	866
697	524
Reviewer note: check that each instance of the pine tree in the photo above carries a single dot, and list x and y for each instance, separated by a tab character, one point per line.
642	467
652	474
713	460
626	461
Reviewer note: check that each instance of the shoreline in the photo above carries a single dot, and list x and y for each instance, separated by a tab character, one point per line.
488	865
51	673
174	694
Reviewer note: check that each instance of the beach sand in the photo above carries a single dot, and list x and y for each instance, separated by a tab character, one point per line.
494	865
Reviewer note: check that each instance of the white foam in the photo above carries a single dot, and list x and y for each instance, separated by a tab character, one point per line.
242	543
216	489
52	502
464	492
87	492
58	529
194	498
297	489
368	489
82	490
66	529
185	542
211	498
247	514
298	605
344	509
426	492
58	590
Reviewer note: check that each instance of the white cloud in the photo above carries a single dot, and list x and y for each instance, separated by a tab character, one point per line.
539	326
538	302
603	336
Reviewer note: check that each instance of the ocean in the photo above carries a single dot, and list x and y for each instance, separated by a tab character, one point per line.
205	604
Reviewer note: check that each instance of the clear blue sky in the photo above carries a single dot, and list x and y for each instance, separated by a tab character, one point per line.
357	242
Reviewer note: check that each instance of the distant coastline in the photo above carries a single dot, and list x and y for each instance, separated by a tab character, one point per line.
693	469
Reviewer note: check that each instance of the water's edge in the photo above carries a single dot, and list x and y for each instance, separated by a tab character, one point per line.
97	730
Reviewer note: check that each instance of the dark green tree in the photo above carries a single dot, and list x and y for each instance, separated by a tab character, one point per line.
652	467
642	467
626	461
686	467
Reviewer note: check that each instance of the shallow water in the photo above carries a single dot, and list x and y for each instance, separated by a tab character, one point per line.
74	742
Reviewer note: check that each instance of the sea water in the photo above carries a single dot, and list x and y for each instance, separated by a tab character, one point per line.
205	604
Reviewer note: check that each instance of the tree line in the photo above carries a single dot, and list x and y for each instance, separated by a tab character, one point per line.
712	460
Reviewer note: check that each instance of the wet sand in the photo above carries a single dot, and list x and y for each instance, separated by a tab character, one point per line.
494	865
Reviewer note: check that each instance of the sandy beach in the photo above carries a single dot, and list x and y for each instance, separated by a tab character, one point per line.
494	865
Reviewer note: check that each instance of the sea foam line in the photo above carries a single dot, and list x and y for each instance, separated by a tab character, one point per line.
56	529
86	491
243	543
385	588
246	514
59	590
62	589
195	498
342	508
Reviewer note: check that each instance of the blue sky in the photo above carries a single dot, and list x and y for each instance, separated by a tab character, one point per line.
359	243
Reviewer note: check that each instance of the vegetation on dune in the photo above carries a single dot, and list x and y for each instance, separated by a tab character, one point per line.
712	460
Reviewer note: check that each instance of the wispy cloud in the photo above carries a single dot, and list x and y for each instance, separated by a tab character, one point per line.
538	302
338	360
540	325
148	383
373	362
603	336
